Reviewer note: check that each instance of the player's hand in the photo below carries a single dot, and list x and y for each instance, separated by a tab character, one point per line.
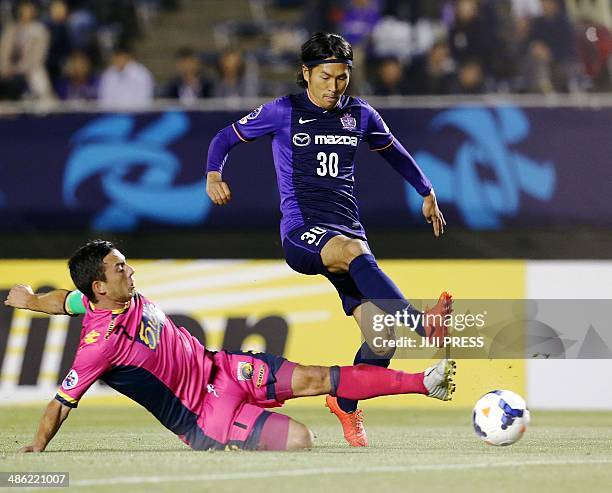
433	214
28	449
19	296
217	189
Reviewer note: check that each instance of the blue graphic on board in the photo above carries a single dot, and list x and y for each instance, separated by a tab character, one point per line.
107	148
482	204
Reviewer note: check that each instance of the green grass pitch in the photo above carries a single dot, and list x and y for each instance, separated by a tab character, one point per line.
124	449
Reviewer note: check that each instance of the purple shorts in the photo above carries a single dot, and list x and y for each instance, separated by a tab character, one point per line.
242	385
302	247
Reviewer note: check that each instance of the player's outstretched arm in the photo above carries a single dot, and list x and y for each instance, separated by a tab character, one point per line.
53	417
22	296
226	139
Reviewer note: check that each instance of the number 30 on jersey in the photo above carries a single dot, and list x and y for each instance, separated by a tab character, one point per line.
328	164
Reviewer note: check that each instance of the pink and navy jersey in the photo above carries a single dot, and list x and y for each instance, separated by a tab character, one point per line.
314	152
139	352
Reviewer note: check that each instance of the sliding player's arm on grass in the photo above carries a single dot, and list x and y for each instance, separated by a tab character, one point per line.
56	302
53	417
90	362
380	139
261	121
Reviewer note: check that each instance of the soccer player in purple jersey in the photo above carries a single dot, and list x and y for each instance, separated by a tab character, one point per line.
315	135
212	400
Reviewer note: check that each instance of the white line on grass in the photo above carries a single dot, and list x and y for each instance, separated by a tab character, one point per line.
329	470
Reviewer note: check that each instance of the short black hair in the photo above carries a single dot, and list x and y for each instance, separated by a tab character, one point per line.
123	48
86	266
320	46
185	52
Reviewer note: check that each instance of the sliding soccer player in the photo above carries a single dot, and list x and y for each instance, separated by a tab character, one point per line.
315	135
211	400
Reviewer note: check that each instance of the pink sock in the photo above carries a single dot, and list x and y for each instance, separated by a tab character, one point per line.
367	381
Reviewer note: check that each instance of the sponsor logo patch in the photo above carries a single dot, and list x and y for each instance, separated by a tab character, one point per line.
91	337
71	380
245	371
260	377
110	329
301	140
210	388
345	140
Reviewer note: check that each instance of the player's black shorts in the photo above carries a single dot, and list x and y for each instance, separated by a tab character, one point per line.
303	247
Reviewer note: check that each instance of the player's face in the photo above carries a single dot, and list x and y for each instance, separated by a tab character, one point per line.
119	285
326	83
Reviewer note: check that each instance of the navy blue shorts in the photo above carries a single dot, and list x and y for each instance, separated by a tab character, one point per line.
303	247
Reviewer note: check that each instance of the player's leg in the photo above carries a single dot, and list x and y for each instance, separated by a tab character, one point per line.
368	381
234	414
270	380
342	254
299	436
302	249
343	249
368	353
273	431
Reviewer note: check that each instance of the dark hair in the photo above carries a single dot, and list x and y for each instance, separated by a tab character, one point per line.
185	52
86	266
123	48
320	46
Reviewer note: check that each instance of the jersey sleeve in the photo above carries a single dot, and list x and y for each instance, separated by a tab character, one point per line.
74	304
89	364
263	120
377	135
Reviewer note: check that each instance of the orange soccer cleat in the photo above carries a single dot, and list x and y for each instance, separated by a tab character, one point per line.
435	327
352	423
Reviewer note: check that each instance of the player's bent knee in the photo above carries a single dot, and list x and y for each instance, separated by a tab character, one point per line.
300	437
352	249
340	251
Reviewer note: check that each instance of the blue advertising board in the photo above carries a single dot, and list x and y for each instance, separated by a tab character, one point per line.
493	167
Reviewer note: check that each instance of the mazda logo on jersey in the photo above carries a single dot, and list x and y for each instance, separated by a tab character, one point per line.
301	140
345	140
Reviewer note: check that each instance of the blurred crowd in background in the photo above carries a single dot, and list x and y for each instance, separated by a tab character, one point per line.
84	49
472	46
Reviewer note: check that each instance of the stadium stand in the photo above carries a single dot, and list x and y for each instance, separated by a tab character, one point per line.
249	46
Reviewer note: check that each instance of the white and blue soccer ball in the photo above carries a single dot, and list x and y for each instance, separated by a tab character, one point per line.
500	417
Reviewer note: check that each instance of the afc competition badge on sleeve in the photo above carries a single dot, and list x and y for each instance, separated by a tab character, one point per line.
251	116
71	380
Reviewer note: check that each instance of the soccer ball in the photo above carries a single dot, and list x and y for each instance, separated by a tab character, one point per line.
500	417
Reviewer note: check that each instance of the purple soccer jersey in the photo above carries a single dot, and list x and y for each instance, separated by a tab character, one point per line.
314	151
